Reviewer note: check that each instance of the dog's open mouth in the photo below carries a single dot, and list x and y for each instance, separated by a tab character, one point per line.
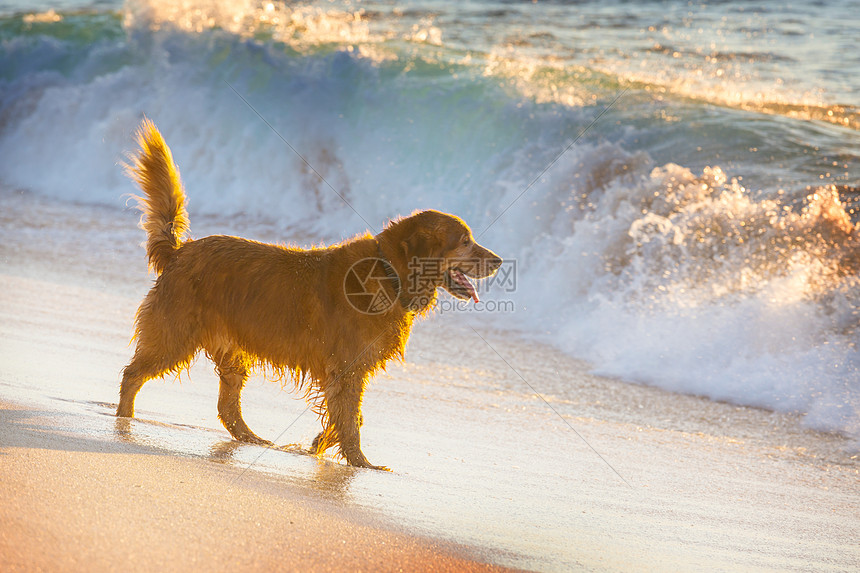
459	285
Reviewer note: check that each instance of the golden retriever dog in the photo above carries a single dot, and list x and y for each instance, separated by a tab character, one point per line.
327	318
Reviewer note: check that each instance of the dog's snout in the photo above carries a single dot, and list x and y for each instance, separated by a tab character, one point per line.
492	262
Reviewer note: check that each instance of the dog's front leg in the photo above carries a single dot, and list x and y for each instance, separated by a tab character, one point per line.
233	374
343	413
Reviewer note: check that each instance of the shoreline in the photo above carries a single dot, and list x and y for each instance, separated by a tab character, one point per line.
73	503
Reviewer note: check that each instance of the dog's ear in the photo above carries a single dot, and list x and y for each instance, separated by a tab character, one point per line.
421	244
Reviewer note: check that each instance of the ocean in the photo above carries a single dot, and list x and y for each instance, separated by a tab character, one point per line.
673	184
674	187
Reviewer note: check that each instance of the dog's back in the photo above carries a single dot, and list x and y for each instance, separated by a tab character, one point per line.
278	304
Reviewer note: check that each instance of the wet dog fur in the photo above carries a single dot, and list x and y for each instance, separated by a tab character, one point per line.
248	304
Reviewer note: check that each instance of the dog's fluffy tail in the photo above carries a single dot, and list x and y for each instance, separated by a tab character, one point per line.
164	219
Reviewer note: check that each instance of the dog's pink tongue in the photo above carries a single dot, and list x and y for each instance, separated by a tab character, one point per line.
466	284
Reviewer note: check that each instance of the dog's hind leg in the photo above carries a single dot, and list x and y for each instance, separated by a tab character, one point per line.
145	366
343	416
324	440
233	374
134	376
327	438
166	342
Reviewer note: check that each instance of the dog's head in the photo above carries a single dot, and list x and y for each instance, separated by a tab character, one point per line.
430	249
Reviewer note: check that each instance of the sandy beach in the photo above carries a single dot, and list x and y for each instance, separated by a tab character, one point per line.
663	375
486	473
73	503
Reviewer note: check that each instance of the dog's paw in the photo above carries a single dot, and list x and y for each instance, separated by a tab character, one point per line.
370	466
292	448
254	439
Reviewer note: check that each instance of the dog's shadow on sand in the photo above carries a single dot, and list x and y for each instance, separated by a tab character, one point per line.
61	431
31	428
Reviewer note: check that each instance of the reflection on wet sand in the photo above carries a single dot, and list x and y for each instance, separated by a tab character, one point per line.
333	479
224	452
328	477
122	429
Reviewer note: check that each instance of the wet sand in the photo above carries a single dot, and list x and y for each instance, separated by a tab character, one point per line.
72	503
503	451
